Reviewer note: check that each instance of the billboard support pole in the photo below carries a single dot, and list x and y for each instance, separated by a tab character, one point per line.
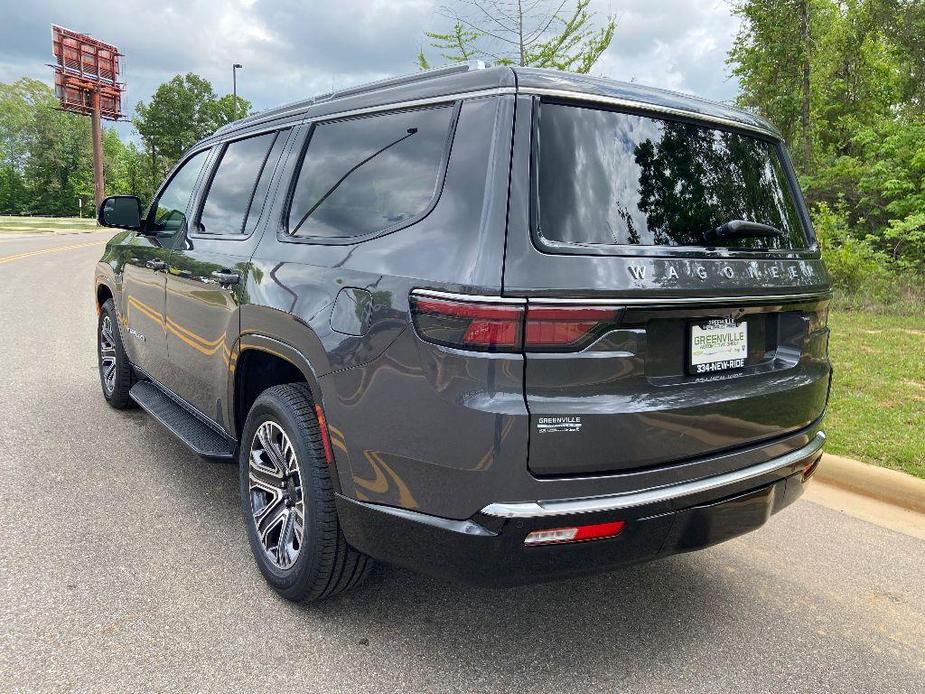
96	128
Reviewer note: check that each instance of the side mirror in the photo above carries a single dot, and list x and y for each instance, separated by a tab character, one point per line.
120	212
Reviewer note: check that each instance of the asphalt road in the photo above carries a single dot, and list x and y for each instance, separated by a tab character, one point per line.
125	567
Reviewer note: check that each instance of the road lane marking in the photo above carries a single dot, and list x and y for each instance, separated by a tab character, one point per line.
43	251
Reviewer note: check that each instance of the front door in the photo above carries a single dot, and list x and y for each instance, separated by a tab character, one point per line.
144	276
207	272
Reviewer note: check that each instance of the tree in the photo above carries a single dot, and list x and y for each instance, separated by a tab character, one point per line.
844	80
538	33
180	113
772	56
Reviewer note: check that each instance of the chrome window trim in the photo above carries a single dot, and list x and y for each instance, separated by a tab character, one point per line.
617	502
650	108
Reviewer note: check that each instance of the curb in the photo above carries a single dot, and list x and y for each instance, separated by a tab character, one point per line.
879	483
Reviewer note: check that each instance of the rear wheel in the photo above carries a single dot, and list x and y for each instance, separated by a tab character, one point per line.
114	366
287	499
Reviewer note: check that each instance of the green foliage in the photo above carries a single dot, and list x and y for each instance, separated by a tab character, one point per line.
181	112
458	46
862	154
46	160
538	33
853	263
45	153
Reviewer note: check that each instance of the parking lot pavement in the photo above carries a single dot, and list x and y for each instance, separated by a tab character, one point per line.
125	567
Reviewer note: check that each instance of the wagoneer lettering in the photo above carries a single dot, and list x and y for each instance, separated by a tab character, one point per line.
498	325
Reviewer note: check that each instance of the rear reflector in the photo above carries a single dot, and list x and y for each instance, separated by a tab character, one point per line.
325	436
578	533
509	326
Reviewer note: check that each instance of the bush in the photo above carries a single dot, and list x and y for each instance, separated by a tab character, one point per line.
863	277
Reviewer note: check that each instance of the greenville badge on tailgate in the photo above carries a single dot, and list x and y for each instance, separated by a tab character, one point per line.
718	345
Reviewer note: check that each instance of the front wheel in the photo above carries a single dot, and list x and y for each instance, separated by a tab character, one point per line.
287	500
114	366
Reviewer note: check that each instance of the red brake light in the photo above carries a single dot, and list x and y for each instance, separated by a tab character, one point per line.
565	328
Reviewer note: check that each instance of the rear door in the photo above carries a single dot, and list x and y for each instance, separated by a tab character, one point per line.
676	305
207	273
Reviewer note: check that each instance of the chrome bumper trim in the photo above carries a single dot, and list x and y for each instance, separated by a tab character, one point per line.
616	502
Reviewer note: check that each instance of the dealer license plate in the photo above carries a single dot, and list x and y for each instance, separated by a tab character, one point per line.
718	345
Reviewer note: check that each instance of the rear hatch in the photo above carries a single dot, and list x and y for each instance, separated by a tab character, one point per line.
675	305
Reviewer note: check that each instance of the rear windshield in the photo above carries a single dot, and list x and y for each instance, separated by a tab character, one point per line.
622	179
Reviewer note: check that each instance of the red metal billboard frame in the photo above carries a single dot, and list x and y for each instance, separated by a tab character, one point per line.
84	65
87	82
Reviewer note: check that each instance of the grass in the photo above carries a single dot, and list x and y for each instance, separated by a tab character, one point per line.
877	408
34	225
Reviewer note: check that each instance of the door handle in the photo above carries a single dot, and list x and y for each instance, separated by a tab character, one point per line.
156	264
226	276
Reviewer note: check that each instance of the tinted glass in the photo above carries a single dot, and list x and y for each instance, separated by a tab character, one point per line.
169	213
616	178
263	183
232	189
367	174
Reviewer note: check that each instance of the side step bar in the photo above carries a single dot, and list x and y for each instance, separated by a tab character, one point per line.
201	438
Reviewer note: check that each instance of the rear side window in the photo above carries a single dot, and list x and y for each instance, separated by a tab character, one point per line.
236	178
611	178
369	174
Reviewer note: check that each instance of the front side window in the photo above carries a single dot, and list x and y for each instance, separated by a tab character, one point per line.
368	174
611	178
168	215
232	189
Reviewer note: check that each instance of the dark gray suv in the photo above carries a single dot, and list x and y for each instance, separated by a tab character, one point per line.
499	325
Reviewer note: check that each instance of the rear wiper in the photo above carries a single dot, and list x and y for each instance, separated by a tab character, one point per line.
742	228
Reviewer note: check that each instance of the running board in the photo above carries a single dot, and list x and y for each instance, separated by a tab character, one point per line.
199	436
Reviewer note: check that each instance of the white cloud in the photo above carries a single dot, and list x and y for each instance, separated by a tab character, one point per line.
292	49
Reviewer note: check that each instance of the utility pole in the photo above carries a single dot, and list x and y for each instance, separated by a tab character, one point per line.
96	130
234	90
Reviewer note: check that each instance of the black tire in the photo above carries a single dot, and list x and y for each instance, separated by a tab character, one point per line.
325	564
109	346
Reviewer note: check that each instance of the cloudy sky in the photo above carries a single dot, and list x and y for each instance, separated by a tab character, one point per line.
291	49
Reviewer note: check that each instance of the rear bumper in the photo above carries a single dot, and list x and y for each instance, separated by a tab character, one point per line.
488	549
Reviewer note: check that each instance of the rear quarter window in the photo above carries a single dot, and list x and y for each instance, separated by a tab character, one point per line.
370	174
609	178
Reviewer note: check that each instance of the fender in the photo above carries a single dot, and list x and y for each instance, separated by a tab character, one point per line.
276	347
285	351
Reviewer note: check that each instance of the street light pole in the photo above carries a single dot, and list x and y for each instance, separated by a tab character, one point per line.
234	90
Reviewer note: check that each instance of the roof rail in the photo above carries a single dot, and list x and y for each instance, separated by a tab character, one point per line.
404	79
350	91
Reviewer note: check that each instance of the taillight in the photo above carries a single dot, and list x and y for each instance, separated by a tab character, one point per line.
566	328
509	325
477	325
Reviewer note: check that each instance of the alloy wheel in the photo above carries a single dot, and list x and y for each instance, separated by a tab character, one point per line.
107	355
275	486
